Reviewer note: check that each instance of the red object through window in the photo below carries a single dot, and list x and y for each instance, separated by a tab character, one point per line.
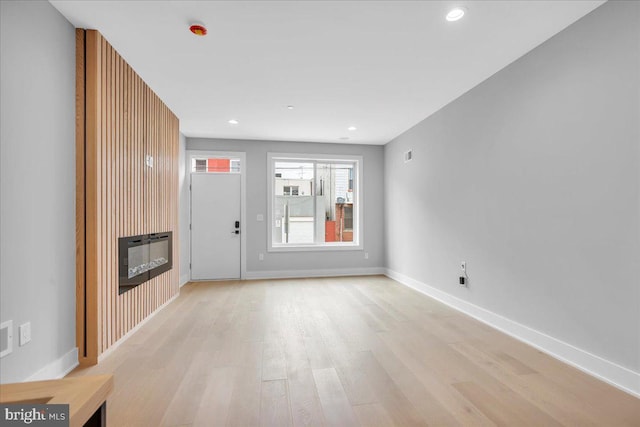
218	165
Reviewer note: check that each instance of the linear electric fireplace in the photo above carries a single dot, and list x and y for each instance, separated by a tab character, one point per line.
141	258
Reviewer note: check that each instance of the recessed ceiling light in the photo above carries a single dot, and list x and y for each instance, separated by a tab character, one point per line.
352	128
289	107
455	14
233	122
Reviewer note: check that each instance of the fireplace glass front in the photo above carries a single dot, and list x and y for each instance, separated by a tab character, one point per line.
143	257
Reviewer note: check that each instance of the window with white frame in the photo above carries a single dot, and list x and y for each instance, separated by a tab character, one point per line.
314	202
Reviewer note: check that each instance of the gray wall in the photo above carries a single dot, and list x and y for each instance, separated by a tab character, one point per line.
183	225
532	177
256	232
37	263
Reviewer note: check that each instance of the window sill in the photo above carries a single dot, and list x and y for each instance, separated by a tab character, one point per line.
316	248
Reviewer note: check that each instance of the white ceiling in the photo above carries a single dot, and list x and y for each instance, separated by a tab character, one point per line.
381	66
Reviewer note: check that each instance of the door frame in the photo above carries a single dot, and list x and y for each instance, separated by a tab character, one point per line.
190	155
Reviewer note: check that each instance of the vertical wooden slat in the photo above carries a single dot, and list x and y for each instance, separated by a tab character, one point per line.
121	213
115	126
140	167
127	147
118	184
121	188
106	170
108	148
130	299
92	194
105	188
149	187
125	213
153	191
142	108
138	157
80	193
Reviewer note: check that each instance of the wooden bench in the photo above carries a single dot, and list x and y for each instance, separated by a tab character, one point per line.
86	396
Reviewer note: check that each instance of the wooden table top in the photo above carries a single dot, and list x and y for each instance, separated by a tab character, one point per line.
84	395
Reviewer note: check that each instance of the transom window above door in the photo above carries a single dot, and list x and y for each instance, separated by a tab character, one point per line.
215	165
314	202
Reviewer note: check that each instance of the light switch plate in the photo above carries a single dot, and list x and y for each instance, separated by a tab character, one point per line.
24	333
408	156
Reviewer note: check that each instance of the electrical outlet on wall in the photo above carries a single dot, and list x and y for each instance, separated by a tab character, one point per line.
463	280
261	257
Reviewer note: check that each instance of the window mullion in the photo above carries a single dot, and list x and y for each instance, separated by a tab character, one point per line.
315	208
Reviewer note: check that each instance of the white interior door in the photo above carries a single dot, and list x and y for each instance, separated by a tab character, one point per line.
215	239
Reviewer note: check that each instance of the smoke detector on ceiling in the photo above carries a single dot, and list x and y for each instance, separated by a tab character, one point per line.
198	29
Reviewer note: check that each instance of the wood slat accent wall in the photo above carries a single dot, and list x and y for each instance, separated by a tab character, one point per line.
120	121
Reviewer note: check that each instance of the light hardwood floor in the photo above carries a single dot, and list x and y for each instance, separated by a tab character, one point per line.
340	351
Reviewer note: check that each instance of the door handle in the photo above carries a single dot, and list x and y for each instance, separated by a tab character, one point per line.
235	232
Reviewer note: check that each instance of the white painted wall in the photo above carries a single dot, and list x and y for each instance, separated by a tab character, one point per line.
533	179
183	182
37	151
317	262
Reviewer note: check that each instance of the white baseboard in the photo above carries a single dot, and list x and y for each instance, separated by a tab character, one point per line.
184	279
607	371
133	330
291	274
58	368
